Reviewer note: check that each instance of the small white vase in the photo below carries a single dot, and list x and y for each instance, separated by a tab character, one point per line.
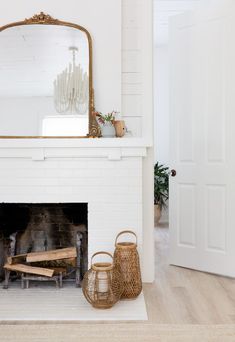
108	130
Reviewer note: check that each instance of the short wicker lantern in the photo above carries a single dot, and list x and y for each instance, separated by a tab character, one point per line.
126	261
102	284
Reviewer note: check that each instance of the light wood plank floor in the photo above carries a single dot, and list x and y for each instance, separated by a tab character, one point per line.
138	332
182	296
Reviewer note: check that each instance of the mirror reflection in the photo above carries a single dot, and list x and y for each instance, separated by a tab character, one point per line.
44	81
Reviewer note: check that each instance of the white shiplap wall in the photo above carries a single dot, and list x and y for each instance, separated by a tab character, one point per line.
137	105
131	65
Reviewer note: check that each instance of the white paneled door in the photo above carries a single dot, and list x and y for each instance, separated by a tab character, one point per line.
202	120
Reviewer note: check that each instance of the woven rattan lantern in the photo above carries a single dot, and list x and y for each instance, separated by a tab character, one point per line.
102	284
126	261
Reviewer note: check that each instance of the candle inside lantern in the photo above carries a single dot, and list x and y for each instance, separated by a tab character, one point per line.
102	282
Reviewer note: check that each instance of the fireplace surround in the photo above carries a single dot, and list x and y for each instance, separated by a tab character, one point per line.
104	173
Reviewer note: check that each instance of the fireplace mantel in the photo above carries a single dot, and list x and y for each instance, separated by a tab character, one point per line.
40	149
73	142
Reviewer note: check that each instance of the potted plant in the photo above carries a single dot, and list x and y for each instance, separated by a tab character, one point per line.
106	122
161	189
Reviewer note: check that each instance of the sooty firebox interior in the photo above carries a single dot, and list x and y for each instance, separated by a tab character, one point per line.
26	228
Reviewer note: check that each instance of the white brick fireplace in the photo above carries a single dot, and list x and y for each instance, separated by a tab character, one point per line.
114	176
109	179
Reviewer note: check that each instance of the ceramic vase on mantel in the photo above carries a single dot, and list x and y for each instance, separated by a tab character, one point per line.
108	130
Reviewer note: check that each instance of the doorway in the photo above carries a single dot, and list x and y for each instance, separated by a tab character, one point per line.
195	101
163	12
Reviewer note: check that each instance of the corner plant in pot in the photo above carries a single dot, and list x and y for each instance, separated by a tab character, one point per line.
161	189
106	123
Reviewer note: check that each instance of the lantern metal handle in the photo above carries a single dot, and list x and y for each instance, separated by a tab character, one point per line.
126	232
102	252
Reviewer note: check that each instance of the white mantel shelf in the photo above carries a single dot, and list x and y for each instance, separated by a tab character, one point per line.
40	149
73	142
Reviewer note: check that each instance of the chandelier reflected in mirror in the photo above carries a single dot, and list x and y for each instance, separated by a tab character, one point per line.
71	88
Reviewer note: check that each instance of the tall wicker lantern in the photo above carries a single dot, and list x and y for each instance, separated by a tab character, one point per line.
126	261
102	284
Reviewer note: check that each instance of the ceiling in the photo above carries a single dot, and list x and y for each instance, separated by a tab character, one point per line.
163	9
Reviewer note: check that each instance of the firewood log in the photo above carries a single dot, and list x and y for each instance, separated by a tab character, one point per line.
16	259
29	269
72	262
57	254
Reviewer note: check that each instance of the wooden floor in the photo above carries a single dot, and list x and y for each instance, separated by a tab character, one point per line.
139	332
182	296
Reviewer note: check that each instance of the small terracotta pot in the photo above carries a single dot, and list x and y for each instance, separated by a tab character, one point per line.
120	128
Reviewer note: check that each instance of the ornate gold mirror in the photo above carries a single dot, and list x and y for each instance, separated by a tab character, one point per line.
46	80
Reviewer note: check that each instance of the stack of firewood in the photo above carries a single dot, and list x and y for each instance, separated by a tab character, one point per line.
42	263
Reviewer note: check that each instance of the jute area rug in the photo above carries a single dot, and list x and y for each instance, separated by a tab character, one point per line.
129	332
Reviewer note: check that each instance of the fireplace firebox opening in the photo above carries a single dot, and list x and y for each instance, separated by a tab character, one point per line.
38	227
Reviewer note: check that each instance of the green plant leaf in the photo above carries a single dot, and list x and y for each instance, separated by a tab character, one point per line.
161	185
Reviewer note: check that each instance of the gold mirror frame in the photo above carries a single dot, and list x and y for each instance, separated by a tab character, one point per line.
46	19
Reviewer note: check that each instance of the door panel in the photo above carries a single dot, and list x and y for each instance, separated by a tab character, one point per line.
202	146
187	218
216	225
